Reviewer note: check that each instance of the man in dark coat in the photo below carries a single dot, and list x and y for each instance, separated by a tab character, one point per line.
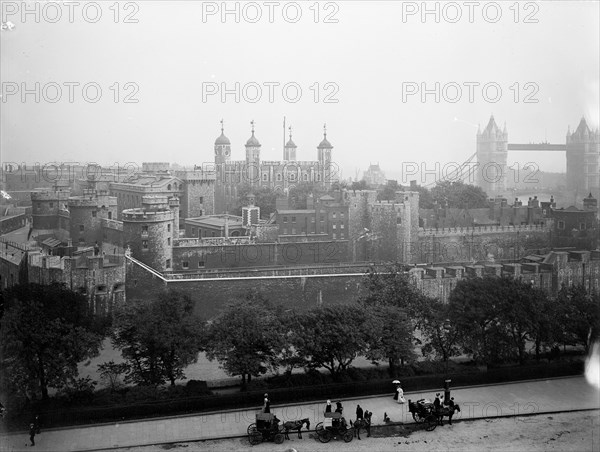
328	407
359	412
32	433
339	408
368	415
437	407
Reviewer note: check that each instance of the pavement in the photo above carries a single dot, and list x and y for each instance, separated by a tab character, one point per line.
511	399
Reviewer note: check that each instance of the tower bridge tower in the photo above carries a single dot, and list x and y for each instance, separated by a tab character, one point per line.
583	159
492	154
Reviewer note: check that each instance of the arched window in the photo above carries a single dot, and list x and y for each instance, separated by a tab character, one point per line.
169	187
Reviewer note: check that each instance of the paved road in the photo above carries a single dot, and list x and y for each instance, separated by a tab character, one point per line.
521	398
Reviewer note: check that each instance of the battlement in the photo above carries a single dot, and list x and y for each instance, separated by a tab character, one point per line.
142	215
212	241
481	230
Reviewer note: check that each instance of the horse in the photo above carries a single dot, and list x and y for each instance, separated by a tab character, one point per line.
362	423
296	425
447	411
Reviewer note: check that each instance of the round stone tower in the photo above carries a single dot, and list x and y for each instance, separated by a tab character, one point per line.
87	212
148	231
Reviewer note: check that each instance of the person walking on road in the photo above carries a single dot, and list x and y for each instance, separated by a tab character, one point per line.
339	408
267	404
400	394
437	407
32	433
328	407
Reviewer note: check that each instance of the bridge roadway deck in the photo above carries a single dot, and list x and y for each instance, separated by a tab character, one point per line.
511	399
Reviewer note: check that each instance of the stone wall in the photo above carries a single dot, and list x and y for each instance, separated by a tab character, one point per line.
258	255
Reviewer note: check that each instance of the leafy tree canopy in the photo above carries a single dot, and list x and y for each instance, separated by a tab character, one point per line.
45	332
245	338
158	338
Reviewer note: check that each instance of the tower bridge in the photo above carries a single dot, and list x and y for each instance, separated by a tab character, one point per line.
582	152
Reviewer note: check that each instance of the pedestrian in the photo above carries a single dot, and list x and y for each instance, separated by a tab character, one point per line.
368	415
328	407
339	408
267	404
359	412
400	394
437	407
32	433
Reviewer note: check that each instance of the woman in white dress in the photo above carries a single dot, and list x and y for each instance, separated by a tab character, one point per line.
400	394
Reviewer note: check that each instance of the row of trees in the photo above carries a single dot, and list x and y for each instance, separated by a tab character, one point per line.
47	330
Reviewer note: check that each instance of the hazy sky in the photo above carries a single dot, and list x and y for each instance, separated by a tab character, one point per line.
367	55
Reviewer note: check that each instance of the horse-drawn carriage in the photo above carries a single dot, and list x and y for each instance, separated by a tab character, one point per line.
266	428
334	425
424	412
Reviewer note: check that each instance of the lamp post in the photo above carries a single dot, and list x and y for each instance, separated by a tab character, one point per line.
447	392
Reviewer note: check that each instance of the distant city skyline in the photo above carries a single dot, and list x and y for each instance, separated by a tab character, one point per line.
174	58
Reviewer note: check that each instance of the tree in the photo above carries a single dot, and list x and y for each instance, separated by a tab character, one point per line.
158	338
388	193
332	337
579	314
392	288
459	195
111	372
472	306
520	305
441	336
45	332
390	336
360	185
425	198
498	316
245	338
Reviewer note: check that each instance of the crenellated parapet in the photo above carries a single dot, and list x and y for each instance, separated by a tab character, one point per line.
493	229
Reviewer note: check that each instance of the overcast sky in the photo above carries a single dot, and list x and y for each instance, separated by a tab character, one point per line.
367	55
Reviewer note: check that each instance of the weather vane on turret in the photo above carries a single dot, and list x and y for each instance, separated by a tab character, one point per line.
252	123
290	129
221	126
325	130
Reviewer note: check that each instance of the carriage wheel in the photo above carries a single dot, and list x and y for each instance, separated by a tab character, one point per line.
278	438
252	428
348	436
431	423
325	436
418	418
319	428
255	438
